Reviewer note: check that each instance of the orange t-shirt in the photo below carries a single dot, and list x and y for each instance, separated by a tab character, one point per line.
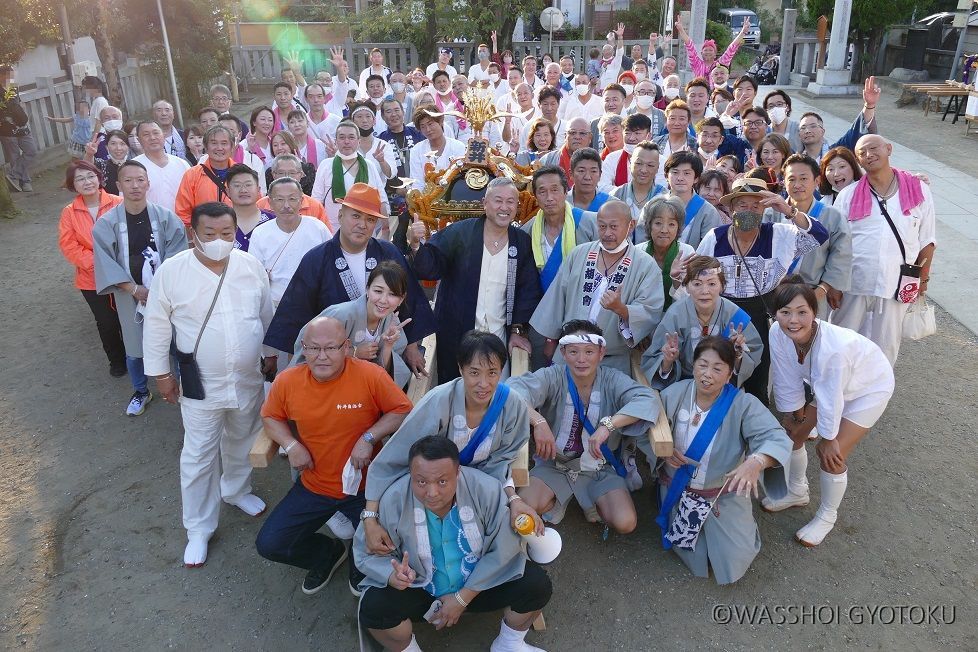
333	415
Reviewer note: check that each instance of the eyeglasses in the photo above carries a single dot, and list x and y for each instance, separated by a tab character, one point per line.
315	351
809	127
754	123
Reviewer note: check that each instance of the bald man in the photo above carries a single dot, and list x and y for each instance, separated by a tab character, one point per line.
610	283
578	136
173	141
342	407
871	306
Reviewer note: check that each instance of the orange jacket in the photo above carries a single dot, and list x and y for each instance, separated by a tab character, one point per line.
196	188
309	207
75	236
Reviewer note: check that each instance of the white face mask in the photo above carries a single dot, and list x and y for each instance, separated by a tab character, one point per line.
671	93
112	125
644	102
778	114
483	55
397	87
628	88
616	250
493	77
217	250
582	89
639	76
629	148
347	157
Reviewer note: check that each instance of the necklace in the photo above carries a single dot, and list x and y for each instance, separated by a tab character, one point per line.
890	189
614	263
803	349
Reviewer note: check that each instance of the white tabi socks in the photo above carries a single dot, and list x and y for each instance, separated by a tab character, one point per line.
797	495
511	640
413	645
250	504
833	488
195	554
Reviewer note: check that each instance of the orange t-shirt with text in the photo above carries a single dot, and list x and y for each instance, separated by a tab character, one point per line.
331	416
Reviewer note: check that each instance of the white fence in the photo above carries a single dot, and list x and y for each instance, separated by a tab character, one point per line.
141	86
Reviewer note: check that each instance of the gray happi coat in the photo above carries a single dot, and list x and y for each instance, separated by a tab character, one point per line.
547	392
442	412
641	292
729	542
681	318
485	523
705	220
353	315
110	241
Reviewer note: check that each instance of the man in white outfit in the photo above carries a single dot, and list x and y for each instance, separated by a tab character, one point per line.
213	303
870	307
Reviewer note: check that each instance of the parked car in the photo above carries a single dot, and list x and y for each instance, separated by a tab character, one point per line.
734	20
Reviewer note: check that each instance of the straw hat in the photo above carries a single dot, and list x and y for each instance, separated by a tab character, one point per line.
364	199
745	187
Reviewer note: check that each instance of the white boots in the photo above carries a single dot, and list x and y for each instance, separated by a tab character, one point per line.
833	488
797	495
511	640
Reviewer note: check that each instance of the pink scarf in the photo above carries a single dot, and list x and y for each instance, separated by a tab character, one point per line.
458	107
239	154
278	126
311	156
910	193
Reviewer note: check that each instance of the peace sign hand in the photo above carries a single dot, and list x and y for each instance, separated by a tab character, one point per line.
871	92
403	575
737	338
330	146
379	152
670	349
390	335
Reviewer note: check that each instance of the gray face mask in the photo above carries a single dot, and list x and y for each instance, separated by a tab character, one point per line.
747	220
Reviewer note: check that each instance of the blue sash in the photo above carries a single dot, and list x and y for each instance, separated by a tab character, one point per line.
814	211
740	318
582	415
692	208
489	419
599	199
552	266
704	437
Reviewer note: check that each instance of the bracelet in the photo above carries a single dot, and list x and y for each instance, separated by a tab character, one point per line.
165	376
458	597
291	446
543	420
866	106
512	499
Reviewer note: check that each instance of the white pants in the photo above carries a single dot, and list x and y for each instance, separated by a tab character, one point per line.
877	318
205	480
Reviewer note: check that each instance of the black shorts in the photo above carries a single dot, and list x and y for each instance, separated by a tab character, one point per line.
387	607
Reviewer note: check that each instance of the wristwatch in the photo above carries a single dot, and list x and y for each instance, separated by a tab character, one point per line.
369	438
365	514
517	329
606	422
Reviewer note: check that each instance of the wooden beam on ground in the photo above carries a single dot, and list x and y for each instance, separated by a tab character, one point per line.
418	387
660	434
519	364
540	625
262	451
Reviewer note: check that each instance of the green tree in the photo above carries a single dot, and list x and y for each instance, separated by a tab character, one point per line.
868	24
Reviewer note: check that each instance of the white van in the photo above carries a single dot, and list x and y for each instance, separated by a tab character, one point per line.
734	20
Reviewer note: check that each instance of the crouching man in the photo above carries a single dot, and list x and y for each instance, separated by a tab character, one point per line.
454	550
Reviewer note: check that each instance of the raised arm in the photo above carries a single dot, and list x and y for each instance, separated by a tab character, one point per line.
731	50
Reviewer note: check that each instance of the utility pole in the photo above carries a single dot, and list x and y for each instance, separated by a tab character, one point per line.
69	43
169	62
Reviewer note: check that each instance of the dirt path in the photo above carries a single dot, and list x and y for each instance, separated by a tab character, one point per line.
90	536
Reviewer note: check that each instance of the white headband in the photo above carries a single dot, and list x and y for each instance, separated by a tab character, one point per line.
362	108
582	338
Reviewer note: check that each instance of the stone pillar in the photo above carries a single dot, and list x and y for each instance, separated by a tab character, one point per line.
787	47
834	79
697	22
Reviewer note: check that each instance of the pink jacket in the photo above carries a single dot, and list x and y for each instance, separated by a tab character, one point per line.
701	68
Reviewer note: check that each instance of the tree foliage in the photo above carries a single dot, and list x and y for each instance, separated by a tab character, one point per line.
868	23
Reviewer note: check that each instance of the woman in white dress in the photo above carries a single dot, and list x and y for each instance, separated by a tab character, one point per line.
829	377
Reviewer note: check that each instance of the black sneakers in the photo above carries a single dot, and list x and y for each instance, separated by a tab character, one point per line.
355	578
319	577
